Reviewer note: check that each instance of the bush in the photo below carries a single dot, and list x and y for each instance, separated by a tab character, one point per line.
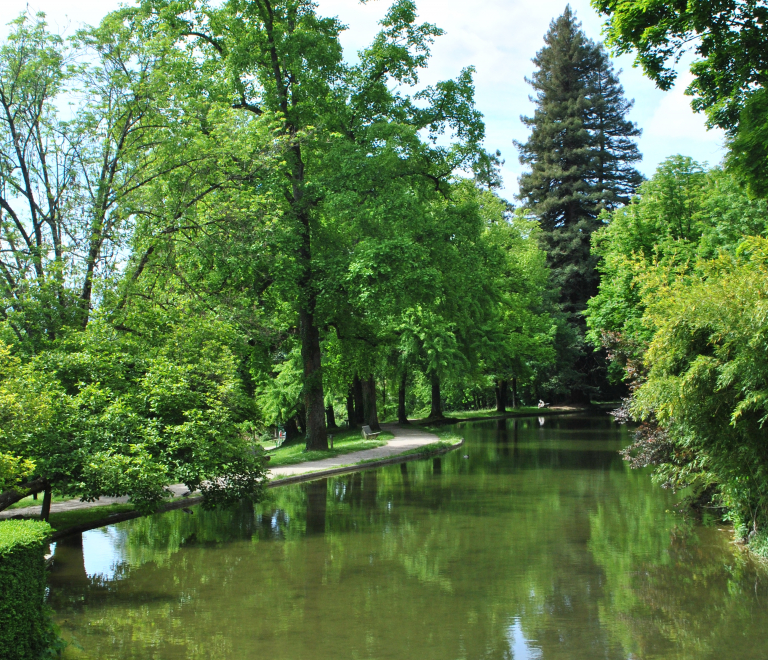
100	413
707	385
25	628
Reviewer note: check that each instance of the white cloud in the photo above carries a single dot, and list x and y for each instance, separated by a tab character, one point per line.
674	117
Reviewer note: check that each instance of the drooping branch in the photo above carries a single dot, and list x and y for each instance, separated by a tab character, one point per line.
10	497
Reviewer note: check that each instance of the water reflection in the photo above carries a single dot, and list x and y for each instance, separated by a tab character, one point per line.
541	545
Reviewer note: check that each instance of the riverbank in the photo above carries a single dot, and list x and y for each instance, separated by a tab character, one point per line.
456	417
407	444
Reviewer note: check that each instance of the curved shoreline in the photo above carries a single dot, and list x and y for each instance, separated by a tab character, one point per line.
307	475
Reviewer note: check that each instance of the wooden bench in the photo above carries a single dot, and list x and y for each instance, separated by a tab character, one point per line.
367	433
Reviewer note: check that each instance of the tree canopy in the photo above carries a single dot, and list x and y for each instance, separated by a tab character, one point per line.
235	230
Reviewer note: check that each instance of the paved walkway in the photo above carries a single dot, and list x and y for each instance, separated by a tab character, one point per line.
405	439
71	505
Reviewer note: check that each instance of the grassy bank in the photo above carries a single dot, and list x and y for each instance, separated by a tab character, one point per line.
446	433
66	519
423	452
344	442
492	412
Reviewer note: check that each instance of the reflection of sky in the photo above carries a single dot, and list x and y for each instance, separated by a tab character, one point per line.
100	554
521	648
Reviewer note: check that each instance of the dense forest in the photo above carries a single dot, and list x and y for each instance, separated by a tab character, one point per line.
213	226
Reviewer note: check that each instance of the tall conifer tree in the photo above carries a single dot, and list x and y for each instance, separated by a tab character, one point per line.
581	152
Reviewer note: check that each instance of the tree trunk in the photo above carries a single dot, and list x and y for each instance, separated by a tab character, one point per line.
68	568
292	433
514	392
357	390
317	438
437	406
402	418
406	482
370	489
369	403
501	396
317	498
384	397
9	497
45	512
351	415
330	417
301	421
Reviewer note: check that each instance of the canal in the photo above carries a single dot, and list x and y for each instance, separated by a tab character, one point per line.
532	541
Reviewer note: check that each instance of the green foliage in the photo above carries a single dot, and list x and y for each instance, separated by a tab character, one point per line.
706	381
682	217
681	309
580	150
186	268
123	418
748	154
728	36
25	628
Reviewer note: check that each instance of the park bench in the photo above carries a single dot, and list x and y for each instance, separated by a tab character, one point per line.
367	433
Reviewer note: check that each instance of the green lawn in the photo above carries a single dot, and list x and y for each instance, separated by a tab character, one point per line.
491	412
65	519
424	451
344	442
446	432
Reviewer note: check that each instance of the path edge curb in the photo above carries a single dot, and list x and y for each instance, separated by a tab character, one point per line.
285	481
360	467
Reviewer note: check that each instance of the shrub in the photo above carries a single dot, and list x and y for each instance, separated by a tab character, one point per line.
707	385
25	628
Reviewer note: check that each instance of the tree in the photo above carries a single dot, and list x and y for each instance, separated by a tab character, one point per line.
522	332
680	310
705	386
683	217
283	60
102	413
581	152
63	182
730	38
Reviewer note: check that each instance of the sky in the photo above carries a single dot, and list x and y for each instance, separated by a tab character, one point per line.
498	38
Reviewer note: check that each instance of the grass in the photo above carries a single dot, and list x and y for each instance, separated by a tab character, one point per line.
29	501
446	433
64	519
424	451
344	442
491	412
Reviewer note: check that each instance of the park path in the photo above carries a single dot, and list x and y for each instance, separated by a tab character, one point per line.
405	439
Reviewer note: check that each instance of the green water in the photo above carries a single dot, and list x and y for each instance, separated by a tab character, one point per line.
541	544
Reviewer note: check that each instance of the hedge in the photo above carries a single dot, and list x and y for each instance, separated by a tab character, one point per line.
25	627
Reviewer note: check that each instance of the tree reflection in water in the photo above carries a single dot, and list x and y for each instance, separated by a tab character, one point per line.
541	545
